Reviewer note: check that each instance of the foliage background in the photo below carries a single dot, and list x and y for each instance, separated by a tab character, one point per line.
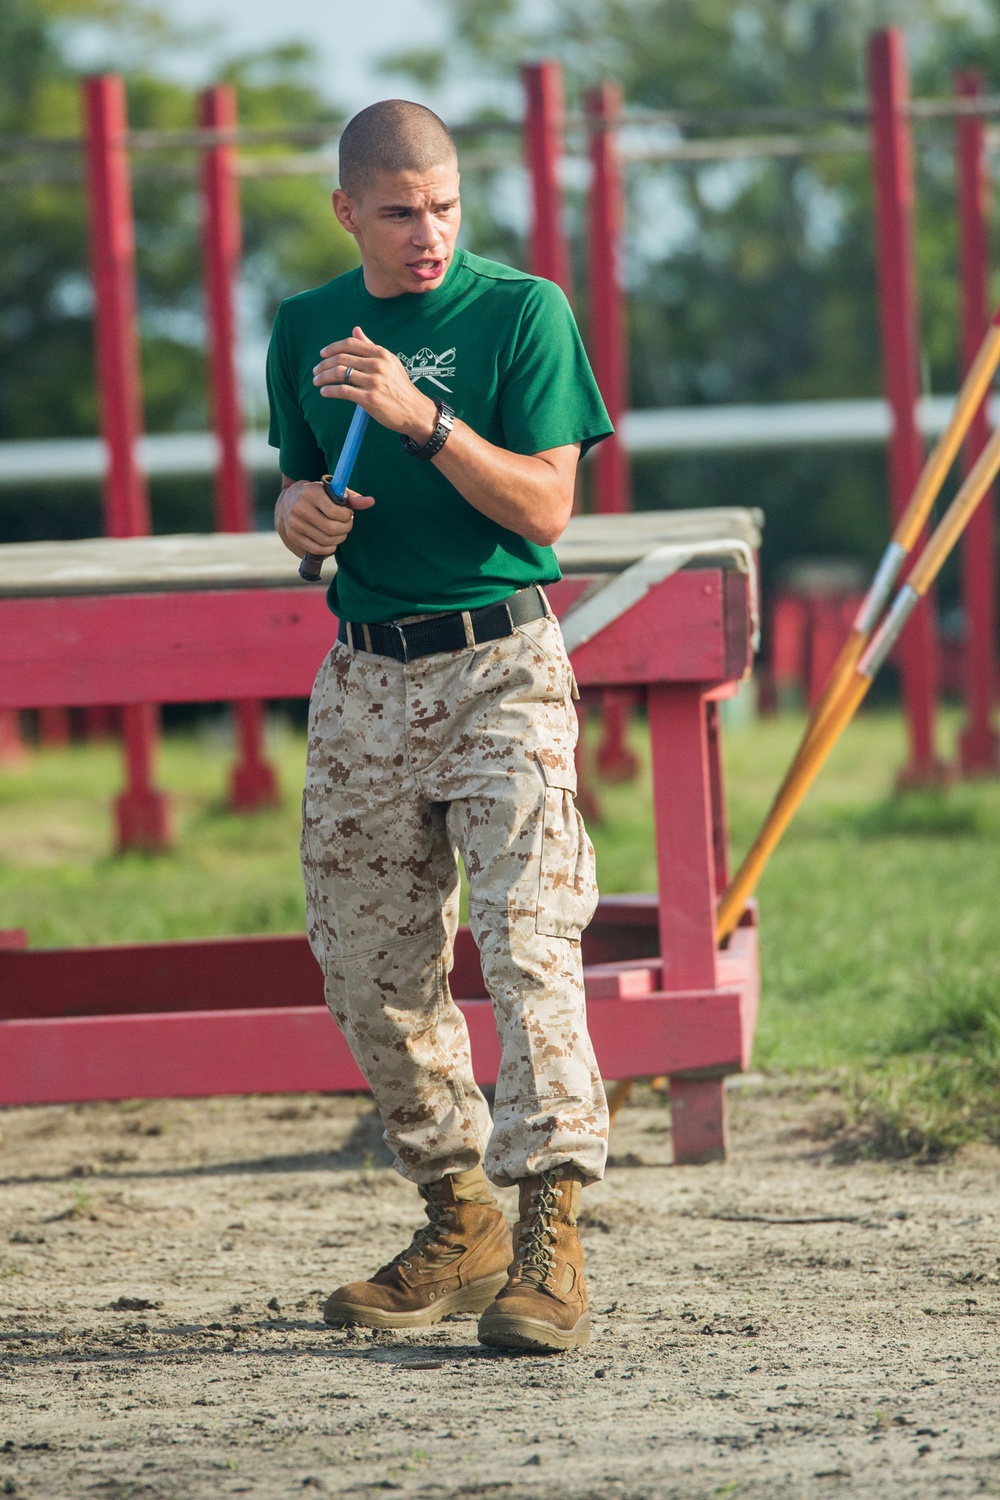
46	363
748	281
753	281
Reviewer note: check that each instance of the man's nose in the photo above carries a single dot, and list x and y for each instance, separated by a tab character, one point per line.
425	231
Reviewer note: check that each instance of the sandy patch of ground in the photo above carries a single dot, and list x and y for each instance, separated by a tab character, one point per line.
163	1265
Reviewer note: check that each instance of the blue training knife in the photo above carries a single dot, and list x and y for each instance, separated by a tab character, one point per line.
311	566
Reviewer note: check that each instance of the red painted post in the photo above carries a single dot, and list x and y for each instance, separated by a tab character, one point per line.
830	619
141	810
543	140
979	744
789	641
688	888
892	152
53	728
548	254
253	783
12	751
608	338
609	356
98	722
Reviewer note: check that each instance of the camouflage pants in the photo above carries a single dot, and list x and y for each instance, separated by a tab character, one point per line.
466	752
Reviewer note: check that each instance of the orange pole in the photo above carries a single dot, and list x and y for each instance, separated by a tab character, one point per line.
807	766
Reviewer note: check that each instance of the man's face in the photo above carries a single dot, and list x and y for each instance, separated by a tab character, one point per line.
406	226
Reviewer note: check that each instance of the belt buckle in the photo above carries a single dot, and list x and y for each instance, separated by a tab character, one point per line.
401	633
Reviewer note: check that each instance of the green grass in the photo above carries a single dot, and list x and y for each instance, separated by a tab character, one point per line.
879	913
60	880
880	932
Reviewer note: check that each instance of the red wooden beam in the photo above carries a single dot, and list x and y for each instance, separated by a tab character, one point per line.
141	810
609	355
12	749
269	643
243	1015
299	1048
692	627
544	126
231	973
682	787
606	320
112	253
185	648
253	783
221	254
979	744
248	973
894	195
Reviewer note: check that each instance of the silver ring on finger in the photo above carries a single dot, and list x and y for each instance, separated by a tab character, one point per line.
347	374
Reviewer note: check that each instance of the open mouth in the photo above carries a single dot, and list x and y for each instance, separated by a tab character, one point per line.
427	270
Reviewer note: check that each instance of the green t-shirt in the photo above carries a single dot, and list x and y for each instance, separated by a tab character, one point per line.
503	350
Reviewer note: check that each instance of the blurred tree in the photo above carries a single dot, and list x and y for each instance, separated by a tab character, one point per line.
751	280
291	237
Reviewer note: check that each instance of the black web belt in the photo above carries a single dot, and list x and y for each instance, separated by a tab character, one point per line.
446	632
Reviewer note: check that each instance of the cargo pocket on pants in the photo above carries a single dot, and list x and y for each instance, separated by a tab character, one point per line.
567	883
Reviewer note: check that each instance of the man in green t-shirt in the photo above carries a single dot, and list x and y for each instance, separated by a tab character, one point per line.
442	724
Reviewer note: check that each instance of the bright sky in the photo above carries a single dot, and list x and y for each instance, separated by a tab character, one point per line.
349	37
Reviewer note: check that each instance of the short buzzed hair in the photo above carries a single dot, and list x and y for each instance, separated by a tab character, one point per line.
389	137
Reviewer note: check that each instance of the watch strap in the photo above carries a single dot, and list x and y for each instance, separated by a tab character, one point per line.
437	439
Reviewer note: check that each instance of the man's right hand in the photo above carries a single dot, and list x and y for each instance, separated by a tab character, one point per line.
307	520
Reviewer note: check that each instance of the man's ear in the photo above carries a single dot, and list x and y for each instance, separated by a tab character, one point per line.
343	207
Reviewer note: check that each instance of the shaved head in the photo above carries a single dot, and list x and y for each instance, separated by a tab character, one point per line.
390	137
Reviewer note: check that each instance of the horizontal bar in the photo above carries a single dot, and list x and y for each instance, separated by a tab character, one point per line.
316	165
986	106
199	138
60	459
299	1048
736	148
208	646
312	164
276	970
788	424
678	429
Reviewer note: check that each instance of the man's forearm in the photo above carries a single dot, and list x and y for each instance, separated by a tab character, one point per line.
279	519
530	494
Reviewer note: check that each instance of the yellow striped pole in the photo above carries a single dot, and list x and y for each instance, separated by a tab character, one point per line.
911	523
813	755
847	684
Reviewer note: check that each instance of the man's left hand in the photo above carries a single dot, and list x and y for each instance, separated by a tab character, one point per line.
379	383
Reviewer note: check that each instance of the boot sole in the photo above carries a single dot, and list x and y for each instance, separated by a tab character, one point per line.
474	1298
505	1331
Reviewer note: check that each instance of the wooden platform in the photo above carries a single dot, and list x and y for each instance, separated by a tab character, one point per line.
207	618
251	560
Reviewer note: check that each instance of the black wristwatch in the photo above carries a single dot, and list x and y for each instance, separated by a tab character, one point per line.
437	439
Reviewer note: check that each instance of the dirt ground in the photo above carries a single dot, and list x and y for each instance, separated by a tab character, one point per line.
778	1326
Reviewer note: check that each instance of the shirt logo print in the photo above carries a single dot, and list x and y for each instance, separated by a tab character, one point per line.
426	365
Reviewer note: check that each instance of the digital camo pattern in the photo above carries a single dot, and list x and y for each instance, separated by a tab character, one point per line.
465	752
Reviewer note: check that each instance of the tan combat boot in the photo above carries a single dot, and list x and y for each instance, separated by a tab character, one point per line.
544	1304
457	1262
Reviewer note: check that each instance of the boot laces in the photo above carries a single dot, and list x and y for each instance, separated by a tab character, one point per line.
438	1224
535	1261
